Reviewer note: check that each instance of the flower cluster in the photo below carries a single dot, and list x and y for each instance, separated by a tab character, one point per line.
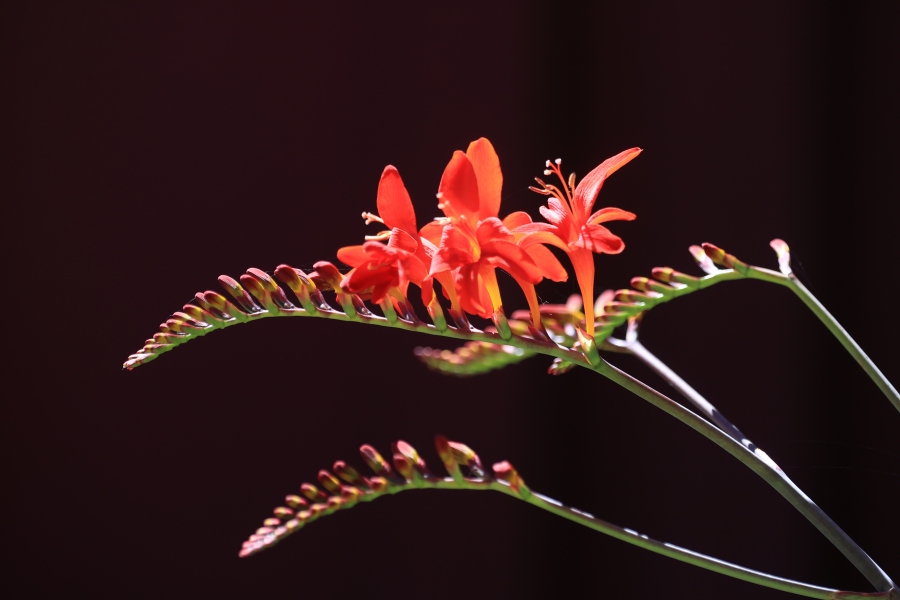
463	249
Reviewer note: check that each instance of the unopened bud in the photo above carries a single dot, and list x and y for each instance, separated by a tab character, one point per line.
588	347
346	472
375	461
403	466
704	261
283	512
240	295
329	482
272	522
506	472
312	492
784	255
295	502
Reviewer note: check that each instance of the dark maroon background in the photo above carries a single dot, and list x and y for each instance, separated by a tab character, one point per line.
153	148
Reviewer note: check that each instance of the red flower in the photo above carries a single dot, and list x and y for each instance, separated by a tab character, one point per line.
573	228
388	269
474	242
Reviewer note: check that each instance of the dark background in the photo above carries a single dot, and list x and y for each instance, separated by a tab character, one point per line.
150	149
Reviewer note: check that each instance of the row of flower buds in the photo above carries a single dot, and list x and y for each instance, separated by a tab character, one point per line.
258	295
612	309
343	487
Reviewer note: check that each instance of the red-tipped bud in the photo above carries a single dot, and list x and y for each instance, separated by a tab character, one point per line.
312	492
283	512
403	466
506	472
329	482
255	288
263	278
410	454
349	493
720	257
272	522
648	285
446	455
329	274
375	461
347	473
464	455
378	484
704	261
295	502
669	275
239	294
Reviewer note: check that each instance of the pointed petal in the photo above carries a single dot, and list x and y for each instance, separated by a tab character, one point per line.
432	232
492	229
490	179
403	241
458	190
555	212
587	190
473	296
549	265
516	219
454	251
412	269
542	237
394	204
353	256
599	239
513	259
611	214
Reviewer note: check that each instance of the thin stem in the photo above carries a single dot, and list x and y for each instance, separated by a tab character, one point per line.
772	475
844	338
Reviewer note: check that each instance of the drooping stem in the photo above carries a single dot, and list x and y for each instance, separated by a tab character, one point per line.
771	474
695	558
844	338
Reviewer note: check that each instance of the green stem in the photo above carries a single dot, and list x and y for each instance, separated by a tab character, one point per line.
844	338
772	475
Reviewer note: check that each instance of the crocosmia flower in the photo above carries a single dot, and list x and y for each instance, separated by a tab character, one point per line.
572	226
382	269
474	242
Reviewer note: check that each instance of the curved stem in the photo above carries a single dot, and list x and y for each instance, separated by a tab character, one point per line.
772	475
844	338
695	558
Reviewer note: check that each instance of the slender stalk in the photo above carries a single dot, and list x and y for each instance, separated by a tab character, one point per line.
695	558
772	475
844	338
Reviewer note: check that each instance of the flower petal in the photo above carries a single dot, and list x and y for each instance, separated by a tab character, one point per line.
432	232
402	241
394	204
516	219
555	212
454	251
549	265
611	214
353	256
513	259
490	179
546	235
492	229
599	239
458	190
589	187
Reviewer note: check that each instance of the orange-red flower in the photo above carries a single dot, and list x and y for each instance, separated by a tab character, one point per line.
473	241
388	269
574	228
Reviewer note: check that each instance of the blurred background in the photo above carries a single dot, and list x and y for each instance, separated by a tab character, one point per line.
151	148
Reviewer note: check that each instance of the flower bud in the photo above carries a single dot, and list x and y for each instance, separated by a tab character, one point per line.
375	461
329	482
295	502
